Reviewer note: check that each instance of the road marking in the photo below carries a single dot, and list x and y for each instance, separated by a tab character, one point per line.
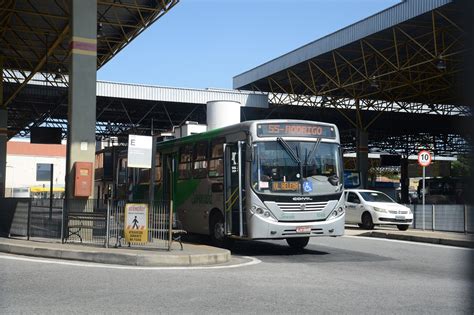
406	242
253	261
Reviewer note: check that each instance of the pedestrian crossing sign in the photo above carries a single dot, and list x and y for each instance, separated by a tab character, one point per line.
136	222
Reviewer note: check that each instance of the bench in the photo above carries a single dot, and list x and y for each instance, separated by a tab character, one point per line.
78	221
177	232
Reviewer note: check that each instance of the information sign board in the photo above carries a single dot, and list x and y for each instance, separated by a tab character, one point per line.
136	222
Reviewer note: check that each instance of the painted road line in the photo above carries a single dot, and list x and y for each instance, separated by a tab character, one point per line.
406	242
253	261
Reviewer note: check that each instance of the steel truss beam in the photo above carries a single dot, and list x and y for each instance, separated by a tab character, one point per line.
411	144
397	67
412	68
34	36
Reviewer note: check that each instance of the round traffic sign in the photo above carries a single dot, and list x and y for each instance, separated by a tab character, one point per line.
424	158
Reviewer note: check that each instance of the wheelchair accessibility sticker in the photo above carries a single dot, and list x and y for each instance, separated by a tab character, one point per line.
307	187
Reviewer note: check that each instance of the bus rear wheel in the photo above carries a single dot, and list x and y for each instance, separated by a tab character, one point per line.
298	243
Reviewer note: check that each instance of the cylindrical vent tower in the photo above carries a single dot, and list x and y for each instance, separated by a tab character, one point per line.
222	113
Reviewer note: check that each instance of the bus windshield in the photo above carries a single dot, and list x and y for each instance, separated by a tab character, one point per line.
296	168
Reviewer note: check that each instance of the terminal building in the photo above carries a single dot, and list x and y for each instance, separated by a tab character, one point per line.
393	83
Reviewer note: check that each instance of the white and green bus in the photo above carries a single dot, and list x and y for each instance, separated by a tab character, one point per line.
265	179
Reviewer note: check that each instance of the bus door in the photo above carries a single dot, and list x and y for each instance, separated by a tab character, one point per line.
234	183
169	180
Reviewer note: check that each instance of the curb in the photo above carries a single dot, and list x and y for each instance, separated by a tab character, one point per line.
421	239
182	260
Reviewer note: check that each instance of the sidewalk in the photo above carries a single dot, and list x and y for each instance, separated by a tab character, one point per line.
197	254
415	235
191	255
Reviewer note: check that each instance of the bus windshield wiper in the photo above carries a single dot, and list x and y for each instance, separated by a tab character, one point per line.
289	150
313	150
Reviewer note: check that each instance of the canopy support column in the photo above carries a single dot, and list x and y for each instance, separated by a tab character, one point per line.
82	90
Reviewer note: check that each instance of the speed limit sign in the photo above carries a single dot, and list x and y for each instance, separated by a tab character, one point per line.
424	158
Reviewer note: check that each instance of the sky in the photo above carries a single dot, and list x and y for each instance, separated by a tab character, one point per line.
205	43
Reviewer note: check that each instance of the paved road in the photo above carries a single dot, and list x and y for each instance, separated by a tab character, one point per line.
338	275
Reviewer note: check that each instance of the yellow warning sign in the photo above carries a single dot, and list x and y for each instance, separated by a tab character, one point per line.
136	222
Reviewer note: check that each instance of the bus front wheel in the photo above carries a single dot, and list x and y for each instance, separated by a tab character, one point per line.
298	242
217	232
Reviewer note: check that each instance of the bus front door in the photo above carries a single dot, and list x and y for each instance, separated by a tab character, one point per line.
234	164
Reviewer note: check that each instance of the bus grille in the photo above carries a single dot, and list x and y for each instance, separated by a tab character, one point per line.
308	206
315	231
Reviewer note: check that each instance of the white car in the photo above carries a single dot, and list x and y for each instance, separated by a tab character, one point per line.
369	207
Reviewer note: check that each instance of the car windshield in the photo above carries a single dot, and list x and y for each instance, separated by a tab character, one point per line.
296	168
375	196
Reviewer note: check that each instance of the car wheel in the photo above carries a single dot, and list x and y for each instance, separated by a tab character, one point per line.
402	227
367	222
298	243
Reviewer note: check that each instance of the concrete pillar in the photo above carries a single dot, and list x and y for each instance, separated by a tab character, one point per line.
404	180
3	136
82	89
363	156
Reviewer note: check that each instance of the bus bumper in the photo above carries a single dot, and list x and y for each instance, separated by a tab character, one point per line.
262	228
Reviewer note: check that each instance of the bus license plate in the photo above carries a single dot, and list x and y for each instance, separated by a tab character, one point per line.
303	229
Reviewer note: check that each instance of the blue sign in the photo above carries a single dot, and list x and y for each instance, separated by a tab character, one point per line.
307	187
351	179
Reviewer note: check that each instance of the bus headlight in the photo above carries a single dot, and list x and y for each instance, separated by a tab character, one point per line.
253	209
263	213
337	212
268	215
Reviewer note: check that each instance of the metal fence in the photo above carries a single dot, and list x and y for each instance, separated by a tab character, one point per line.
46	219
448	218
157	226
88	221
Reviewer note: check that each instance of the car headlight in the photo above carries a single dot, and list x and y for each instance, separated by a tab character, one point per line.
380	210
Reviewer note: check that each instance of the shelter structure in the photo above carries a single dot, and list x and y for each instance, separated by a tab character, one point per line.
393	81
64	43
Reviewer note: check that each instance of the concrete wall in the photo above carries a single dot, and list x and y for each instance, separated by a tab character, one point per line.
21	171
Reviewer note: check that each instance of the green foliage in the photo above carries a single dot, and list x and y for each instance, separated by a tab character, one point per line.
462	167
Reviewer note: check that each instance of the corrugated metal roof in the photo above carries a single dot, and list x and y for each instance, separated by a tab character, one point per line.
385	19
179	95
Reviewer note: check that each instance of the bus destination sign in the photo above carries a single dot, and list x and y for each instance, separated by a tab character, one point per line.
295	130
285	186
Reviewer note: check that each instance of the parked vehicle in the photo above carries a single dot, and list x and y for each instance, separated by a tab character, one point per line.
369	207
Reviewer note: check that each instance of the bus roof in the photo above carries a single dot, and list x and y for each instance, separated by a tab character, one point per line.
240	127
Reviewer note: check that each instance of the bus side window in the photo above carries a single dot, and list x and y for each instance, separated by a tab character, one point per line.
216	162
200	160
185	161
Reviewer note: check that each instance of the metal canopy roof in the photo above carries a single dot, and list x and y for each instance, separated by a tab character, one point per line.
411	52
397	74
121	107
35	35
